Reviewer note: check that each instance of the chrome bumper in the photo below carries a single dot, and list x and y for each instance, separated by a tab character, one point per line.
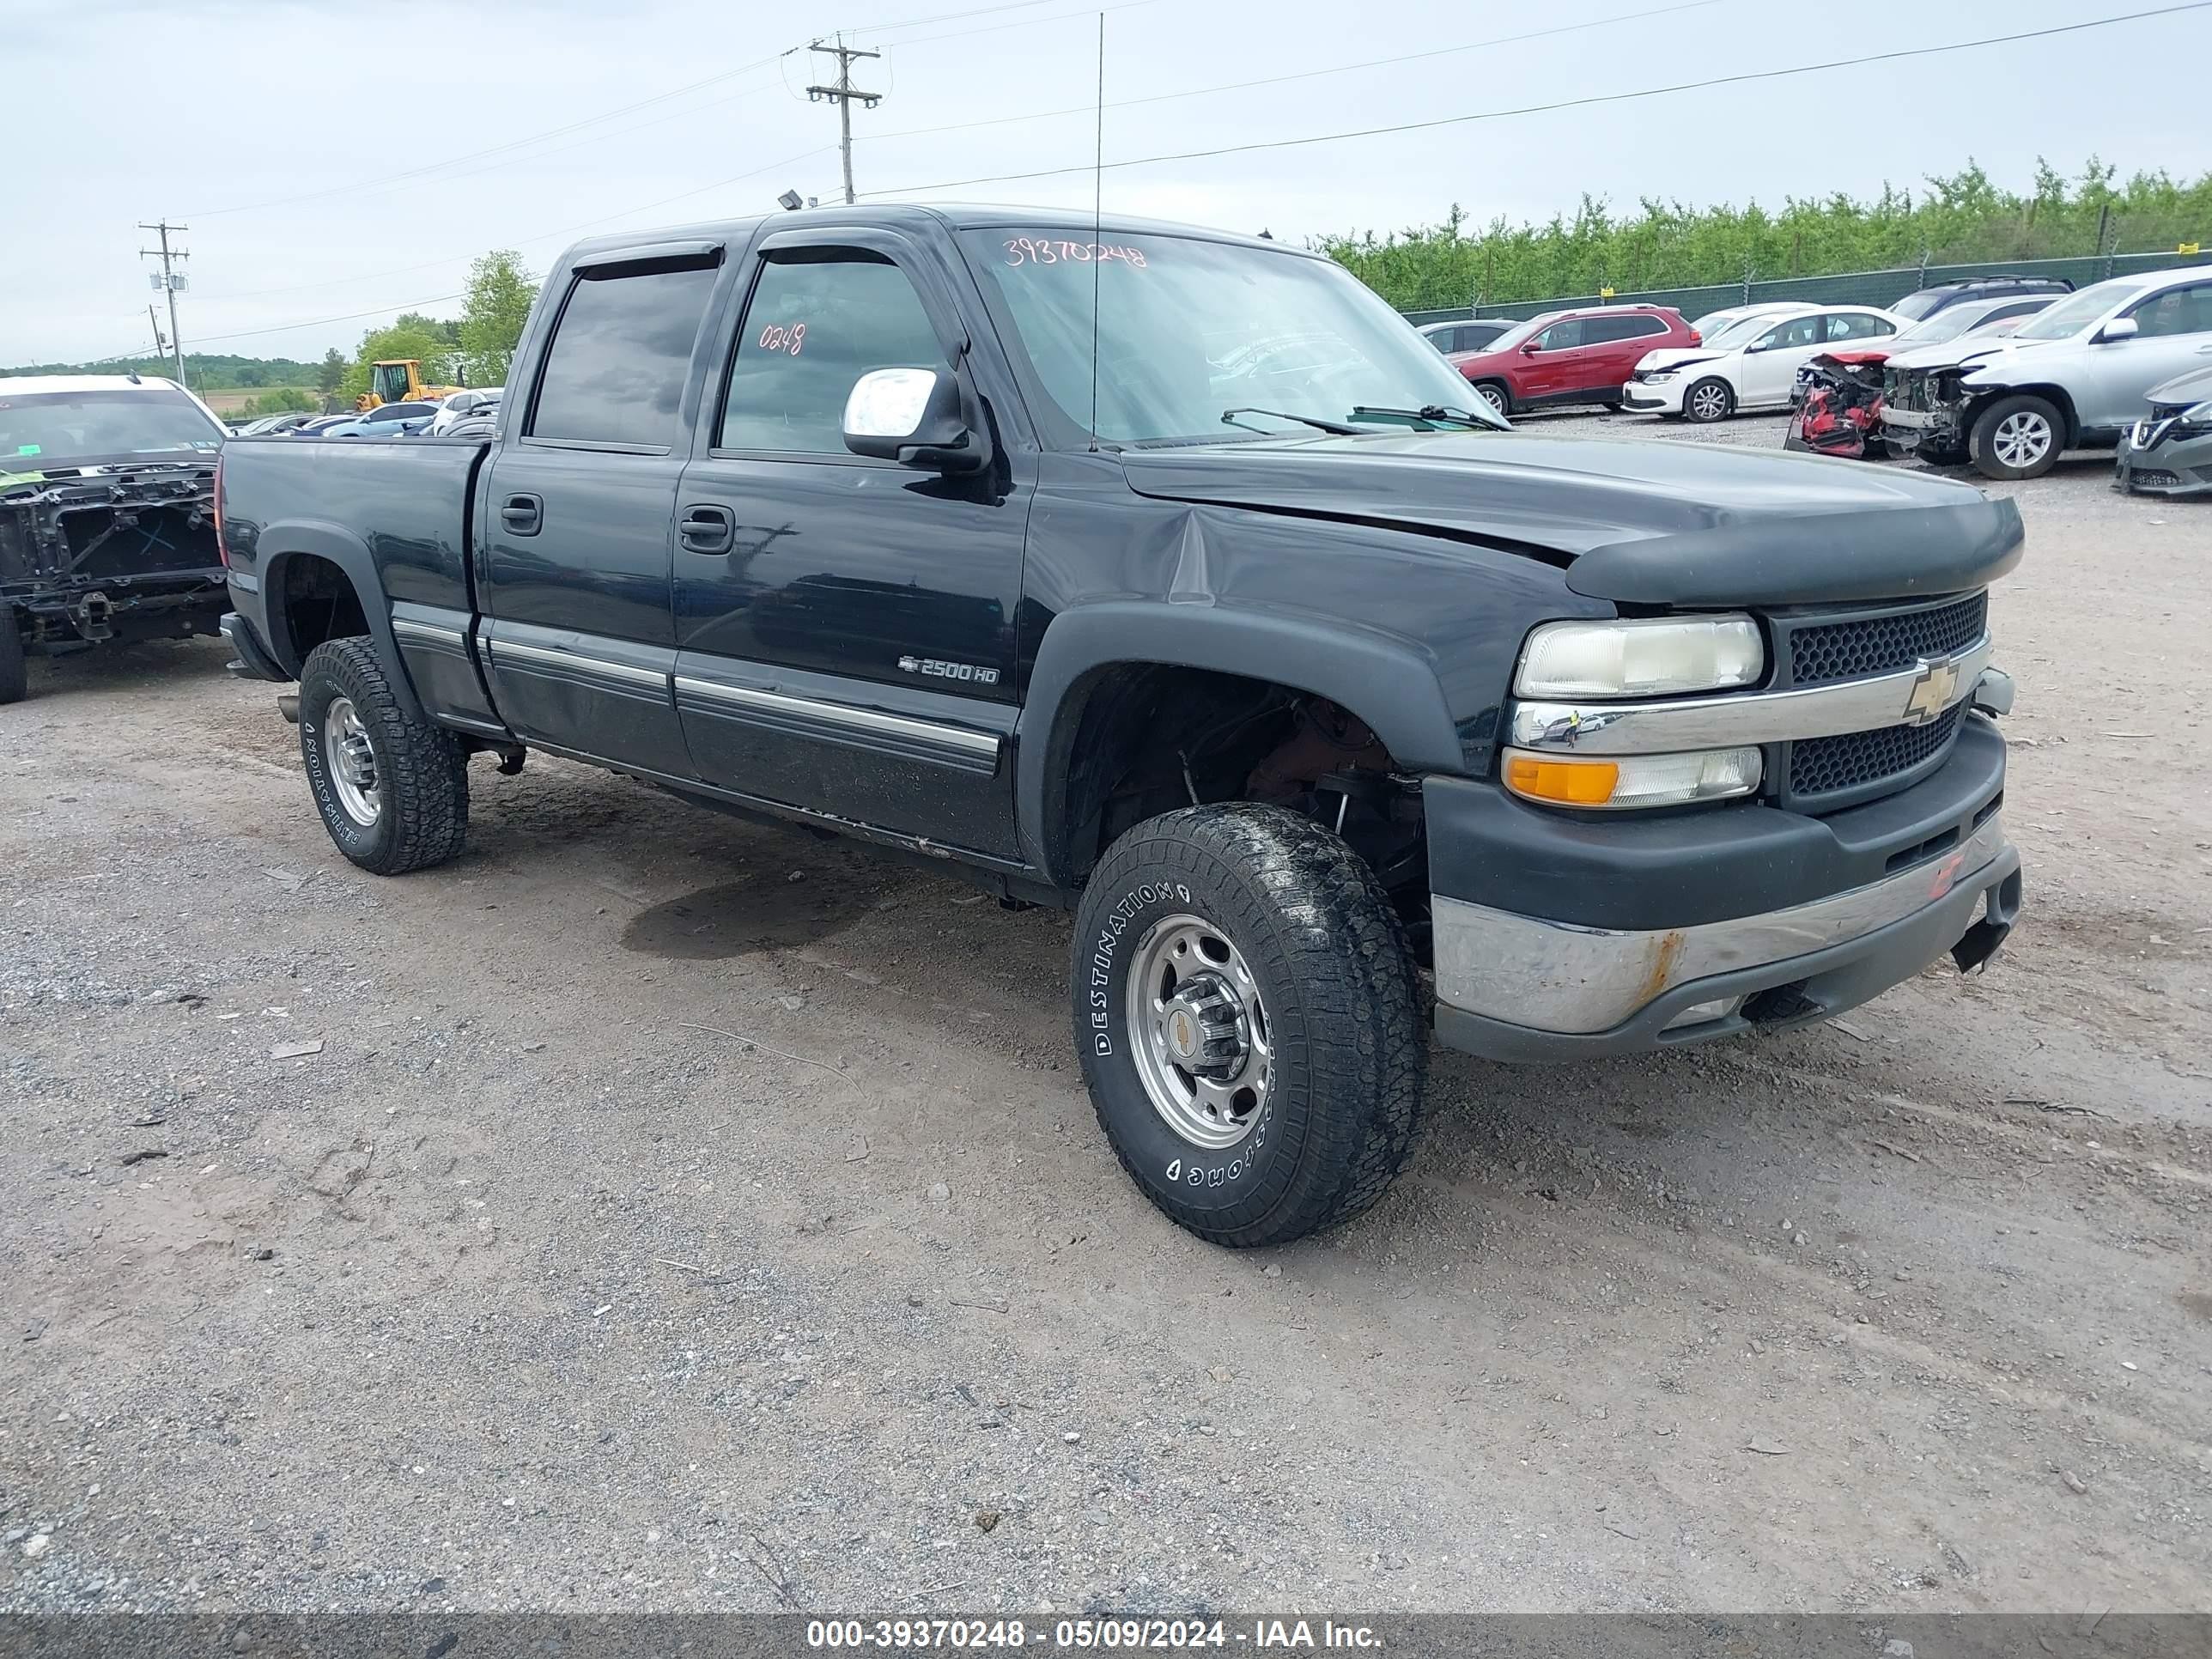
1519	987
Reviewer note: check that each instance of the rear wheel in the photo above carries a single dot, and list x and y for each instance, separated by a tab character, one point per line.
2020	437
392	789
1710	399
1245	1009
1494	394
14	672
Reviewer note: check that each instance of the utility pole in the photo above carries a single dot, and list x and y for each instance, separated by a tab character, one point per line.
844	93
161	345
169	281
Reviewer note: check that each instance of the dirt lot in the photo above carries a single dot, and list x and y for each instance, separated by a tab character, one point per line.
528	1290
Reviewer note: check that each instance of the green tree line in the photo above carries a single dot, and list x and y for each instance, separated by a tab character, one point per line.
1964	218
474	348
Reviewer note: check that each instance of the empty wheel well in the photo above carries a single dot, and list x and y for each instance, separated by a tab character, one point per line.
316	602
1147	738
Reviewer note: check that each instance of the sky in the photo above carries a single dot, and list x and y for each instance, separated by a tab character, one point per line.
339	163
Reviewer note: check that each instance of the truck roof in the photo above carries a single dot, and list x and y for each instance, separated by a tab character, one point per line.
906	216
29	385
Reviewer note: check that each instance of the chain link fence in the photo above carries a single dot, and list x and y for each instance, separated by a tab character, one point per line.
1876	288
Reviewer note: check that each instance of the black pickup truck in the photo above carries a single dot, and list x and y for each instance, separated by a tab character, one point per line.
1207	613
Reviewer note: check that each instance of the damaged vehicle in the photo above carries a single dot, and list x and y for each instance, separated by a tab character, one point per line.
2073	376
1838	399
1336	711
2169	450
107	516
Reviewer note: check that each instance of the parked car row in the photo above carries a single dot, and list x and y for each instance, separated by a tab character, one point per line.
2003	373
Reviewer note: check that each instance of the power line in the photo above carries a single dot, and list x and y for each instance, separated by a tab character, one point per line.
1562	104
443	165
1300	75
524	241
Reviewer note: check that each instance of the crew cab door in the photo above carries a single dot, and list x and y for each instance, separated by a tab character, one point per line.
575	514
845	626
2174	335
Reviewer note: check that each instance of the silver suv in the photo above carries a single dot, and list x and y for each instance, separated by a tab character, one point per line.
2072	377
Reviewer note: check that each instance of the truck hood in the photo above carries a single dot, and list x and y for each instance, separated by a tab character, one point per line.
1638	522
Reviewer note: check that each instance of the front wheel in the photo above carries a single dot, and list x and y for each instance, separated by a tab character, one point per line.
392	789
1712	399
1245	1009
2017	437
1492	392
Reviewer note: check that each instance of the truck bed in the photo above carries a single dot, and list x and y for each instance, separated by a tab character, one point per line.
418	495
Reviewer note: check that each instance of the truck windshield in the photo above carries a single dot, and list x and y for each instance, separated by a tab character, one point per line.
1190	330
43	430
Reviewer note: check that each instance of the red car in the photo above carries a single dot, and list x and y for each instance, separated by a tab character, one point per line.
1570	356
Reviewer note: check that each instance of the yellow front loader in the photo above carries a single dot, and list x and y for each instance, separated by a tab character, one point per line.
399	381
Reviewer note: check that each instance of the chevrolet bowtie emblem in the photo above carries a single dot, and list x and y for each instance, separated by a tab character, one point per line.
1933	692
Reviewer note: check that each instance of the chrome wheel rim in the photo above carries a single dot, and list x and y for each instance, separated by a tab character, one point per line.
1493	397
2022	439
1200	1032
352	764
1709	403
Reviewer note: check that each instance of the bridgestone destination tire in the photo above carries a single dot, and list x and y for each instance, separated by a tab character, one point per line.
392	790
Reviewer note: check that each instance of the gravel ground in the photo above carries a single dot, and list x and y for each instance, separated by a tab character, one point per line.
682	1214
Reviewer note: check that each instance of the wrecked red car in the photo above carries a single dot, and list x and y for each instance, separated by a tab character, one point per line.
1837	403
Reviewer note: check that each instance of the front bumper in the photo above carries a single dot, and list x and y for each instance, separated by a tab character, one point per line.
1568	940
2174	466
1653	397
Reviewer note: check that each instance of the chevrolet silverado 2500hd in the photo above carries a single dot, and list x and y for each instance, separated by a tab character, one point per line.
1223	619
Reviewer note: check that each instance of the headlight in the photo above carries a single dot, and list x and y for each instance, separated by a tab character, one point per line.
1632	779
1640	659
2198	418
1653	376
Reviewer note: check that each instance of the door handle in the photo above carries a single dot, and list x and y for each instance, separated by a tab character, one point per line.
523	515
707	530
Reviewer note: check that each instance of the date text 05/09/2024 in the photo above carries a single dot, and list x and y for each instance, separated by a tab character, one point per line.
1139	1635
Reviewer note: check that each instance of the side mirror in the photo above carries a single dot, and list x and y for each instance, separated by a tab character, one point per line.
919	417
1531	349
2120	328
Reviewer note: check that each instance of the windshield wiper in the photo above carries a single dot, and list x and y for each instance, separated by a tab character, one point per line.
1335	428
1427	414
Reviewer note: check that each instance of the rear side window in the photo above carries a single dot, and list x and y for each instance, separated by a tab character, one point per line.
1857	325
1605	330
616	370
818	321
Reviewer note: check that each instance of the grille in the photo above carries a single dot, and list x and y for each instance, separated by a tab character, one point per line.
1883	645
1828	766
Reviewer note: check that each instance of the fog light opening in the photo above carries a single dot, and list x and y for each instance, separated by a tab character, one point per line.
1702	1013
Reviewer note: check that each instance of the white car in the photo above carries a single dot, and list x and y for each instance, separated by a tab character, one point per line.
1749	363
461	406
